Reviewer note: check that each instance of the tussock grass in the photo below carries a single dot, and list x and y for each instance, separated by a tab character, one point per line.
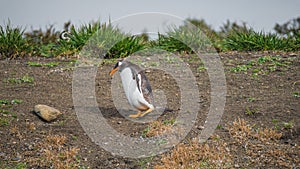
107	41
103	40
258	41
186	39
12	42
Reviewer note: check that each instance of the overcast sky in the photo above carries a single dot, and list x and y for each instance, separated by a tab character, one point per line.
259	14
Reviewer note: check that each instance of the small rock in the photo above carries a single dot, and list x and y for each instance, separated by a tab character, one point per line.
46	112
200	127
16	159
2	155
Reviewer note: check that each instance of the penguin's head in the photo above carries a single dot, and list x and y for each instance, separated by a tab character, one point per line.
65	35
116	68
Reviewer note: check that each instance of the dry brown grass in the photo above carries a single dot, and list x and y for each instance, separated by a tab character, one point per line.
246	147
262	146
242	131
157	128
55	154
212	154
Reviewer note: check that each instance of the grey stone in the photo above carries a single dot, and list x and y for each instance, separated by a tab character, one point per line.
46	112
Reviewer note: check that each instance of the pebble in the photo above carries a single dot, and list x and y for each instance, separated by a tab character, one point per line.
15	159
2	155
46	112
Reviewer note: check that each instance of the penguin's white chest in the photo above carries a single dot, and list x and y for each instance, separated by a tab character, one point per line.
134	96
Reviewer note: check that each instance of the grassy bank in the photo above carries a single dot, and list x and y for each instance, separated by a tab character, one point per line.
108	41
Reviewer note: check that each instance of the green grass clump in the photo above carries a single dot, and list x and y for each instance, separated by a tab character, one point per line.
126	46
12	42
104	40
100	40
187	38
258	41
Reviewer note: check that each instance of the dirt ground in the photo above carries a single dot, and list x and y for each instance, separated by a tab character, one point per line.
263	95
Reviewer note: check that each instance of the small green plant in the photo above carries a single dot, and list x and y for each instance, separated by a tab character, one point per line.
219	126
24	79
6	117
153	64
240	68
21	165
74	137
296	94
4	121
171	59
143	163
169	121
251	99
37	64
145	131
16	101
201	68
249	111
10	114
264	59
288	125
275	122
4	102
7	102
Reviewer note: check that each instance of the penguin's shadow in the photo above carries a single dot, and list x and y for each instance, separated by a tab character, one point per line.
112	113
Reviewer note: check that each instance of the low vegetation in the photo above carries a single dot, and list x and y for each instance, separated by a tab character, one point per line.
263	65
6	114
55	153
158	127
19	80
259	147
253	142
107	41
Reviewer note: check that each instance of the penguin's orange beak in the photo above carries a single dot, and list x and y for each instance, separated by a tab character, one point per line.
113	71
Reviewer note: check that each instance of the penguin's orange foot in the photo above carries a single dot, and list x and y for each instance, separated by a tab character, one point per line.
139	114
146	112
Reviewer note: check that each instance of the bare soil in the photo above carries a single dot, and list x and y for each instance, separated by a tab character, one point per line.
268	100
